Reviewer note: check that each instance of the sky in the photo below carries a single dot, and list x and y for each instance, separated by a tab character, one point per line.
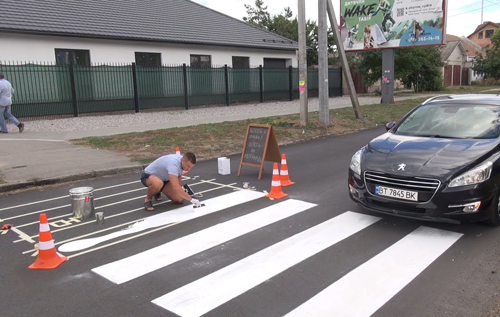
463	15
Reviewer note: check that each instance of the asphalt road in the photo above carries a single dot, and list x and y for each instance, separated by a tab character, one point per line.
313	253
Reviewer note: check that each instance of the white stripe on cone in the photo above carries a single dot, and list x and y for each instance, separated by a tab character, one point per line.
44	227
46	245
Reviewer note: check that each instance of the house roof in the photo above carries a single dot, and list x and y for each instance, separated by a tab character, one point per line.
483	25
470	47
449	47
172	21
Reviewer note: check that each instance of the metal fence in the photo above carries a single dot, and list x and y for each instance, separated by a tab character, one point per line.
45	91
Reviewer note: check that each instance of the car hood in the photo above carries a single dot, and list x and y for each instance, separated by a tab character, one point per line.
422	156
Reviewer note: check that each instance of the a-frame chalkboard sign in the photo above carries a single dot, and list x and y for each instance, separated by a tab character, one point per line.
260	145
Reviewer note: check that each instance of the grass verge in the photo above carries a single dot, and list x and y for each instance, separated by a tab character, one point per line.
226	138
209	141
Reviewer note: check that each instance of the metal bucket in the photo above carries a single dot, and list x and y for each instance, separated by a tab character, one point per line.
82	202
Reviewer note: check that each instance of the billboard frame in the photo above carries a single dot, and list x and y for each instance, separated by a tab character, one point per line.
389	24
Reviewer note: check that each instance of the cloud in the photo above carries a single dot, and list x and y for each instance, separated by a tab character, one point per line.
236	8
462	4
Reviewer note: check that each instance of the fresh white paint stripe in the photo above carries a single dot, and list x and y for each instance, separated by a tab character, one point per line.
64	197
209	292
148	261
184	213
364	290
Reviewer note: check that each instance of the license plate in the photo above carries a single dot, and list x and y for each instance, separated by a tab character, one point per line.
396	193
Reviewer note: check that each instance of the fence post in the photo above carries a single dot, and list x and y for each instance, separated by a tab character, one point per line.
290	78
186	96
261	84
341	81
73	88
136	89
226	79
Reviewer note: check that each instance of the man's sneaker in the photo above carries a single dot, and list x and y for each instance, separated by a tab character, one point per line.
21	127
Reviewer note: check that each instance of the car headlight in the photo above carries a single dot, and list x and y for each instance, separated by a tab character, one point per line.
356	162
475	176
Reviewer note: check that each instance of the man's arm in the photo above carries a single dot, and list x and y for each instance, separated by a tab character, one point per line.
177	186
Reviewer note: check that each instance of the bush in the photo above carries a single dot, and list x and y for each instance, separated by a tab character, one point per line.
489	82
434	83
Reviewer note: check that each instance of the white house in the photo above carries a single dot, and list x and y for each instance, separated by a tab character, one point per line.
147	32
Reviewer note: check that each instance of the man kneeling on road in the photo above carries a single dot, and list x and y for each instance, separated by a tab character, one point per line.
164	175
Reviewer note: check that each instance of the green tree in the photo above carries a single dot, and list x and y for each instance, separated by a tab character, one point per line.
489	66
286	25
257	16
418	68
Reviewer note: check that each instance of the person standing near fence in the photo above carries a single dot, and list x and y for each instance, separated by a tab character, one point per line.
6	92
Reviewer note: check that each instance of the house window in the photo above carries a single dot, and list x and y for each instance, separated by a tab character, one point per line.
148	59
480	35
489	33
201	61
241	62
75	57
275	63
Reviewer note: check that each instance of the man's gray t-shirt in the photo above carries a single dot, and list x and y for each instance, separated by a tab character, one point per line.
165	165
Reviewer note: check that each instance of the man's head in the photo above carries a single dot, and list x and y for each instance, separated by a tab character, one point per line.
188	161
1	75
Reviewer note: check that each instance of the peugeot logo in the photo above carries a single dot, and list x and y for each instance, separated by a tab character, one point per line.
401	167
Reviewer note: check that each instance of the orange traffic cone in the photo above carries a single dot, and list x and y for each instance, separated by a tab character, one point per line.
48	258
276	191
285	179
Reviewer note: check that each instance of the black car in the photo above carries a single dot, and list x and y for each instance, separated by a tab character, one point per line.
441	162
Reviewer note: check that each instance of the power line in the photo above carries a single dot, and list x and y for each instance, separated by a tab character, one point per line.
491	5
463	7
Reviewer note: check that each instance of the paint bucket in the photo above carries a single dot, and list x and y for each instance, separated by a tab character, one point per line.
99	218
82	202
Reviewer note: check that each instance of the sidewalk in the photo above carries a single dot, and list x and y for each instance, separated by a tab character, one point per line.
34	158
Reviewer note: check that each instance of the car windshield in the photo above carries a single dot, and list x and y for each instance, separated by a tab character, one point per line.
452	121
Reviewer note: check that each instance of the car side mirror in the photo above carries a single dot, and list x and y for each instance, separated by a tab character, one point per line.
390	125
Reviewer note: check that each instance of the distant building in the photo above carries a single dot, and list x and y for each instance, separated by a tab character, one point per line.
458	54
483	33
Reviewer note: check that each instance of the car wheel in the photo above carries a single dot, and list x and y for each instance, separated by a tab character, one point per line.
494	219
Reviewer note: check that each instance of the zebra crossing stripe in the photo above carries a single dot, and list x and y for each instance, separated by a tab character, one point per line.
148	261
211	291
367	288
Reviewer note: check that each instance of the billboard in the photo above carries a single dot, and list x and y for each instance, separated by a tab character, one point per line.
379	24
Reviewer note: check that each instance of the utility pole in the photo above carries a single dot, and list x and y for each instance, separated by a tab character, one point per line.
387	75
324	109
302	63
482	8
343	60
